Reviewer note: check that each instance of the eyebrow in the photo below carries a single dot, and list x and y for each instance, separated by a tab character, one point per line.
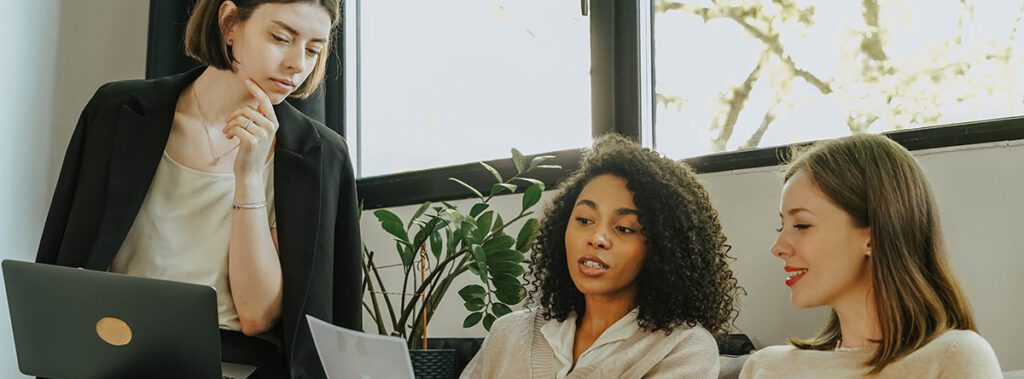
794	211
296	32
621	211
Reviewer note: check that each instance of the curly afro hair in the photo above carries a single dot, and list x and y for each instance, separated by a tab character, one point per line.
685	278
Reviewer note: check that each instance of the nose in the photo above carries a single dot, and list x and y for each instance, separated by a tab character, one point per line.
599	239
296	61
781	247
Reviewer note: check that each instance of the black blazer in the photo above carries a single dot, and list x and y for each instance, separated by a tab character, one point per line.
110	164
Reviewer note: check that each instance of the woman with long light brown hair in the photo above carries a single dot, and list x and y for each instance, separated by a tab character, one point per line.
860	233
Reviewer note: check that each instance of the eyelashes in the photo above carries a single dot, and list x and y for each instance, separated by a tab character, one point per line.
797	226
282	40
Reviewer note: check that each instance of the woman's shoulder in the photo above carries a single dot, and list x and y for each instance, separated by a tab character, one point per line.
960	353
772	353
967	344
516	320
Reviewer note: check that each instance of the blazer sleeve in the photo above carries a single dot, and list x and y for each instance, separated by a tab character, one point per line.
67	183
348	273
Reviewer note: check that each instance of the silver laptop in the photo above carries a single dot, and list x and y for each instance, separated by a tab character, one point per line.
75	323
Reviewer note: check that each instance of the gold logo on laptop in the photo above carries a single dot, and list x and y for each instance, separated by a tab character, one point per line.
114	331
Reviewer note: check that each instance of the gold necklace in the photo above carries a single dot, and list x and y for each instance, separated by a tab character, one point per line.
206	128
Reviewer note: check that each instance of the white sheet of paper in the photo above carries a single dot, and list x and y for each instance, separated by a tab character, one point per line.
349	354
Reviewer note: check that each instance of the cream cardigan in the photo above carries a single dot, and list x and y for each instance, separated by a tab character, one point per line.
516	348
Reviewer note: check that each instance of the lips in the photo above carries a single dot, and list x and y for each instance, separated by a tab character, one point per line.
284	84
592	266
793	274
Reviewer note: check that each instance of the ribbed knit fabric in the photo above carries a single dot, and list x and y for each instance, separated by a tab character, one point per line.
516	349
955	354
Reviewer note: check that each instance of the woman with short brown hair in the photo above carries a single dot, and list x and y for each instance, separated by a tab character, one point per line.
210	177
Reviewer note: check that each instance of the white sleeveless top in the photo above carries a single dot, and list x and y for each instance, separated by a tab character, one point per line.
182	231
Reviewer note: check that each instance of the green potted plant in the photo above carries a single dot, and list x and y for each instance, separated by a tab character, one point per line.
441	242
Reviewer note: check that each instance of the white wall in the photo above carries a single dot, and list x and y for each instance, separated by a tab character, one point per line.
55	55
978	189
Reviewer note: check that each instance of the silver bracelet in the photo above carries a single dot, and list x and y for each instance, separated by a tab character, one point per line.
254	205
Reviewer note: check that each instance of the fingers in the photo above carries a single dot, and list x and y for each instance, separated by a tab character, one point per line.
245	114
245	136
266	107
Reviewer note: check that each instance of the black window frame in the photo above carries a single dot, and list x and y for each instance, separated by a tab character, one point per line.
616	107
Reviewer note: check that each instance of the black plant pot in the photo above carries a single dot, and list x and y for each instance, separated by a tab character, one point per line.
433	363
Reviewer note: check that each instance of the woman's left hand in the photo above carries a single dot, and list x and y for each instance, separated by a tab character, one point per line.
255	129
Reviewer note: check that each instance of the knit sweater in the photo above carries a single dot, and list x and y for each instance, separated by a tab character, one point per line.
955	354
516	348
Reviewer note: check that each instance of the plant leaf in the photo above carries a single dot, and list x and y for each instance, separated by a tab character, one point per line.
517	159
498	222
473	291
500	309
499	267
531	196
469	187
395	229
511	256
511	296
480	259
533	181
472	319
469	233
483	225
488	321
507	282
527	234
424	232
552	166
474	305
436	244
500	187
419	212
405	252
540	159
477	209
453	242
502	242
384	215
494	172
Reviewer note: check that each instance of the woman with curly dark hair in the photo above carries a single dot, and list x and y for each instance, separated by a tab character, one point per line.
631	274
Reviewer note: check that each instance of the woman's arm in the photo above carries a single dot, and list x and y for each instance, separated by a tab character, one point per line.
254	270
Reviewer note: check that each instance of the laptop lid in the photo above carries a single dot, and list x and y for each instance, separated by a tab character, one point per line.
75	323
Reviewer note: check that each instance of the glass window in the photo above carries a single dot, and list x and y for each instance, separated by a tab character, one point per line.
437	83
735	75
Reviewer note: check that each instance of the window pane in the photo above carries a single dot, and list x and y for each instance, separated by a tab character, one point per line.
744	74
458	81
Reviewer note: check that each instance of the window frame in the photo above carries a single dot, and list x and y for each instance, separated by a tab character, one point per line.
616	106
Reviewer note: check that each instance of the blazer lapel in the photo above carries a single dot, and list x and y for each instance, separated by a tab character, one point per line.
143	126
297	191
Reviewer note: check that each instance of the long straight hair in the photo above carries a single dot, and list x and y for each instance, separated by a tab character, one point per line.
880	185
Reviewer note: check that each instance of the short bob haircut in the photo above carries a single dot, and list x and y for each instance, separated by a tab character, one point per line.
204	39
880	185
685	277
